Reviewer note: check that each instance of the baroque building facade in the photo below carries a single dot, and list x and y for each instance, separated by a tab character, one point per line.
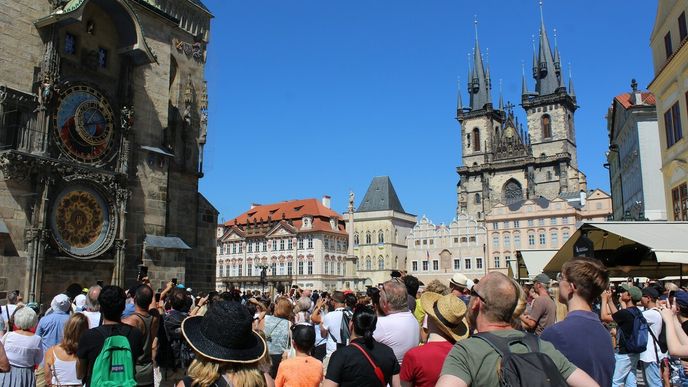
103	116
296	242
503	163
437	252
634	157
670	87
539	224
379	228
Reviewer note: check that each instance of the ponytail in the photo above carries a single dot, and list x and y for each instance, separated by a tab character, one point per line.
365	321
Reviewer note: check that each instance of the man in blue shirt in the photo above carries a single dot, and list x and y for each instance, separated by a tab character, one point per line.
51	328
581	281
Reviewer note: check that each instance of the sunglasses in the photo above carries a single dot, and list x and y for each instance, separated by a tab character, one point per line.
475	293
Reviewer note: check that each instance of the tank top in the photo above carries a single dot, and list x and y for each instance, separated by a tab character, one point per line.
144	363
65	370
277	334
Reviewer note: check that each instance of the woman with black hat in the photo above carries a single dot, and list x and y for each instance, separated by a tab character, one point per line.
228	351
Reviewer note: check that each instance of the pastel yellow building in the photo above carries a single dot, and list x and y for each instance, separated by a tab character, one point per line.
670	87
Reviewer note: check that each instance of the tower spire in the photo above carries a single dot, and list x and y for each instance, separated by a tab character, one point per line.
501	98
557	59
571	92
524	85
480	82
547	81
459	102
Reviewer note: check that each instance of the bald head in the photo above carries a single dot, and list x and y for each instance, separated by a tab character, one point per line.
92	304
500	296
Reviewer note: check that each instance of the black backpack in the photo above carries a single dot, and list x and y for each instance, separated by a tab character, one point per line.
532	369
182	352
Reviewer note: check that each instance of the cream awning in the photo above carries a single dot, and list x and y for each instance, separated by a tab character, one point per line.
661	247
536	260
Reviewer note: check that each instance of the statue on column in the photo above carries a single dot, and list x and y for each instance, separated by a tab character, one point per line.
352	196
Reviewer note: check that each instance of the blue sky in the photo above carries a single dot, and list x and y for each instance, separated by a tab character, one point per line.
316	97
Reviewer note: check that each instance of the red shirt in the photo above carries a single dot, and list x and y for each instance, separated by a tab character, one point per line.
422	365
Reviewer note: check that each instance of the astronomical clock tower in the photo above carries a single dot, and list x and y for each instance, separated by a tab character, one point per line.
103	116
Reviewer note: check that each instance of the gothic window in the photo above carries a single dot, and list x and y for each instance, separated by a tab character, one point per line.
369	264
477	198
369	239
476	139
546	126
102	57
356	239
381	263
70	44
512	191
468	140
380	237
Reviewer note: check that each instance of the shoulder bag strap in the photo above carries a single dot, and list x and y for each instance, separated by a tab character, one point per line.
378	371
649	329
54	372
145	327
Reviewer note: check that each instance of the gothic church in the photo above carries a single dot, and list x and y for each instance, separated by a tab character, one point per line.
502	163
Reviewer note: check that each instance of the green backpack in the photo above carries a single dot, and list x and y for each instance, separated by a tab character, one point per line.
114	366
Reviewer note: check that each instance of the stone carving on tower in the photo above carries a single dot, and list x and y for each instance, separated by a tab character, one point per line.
503	162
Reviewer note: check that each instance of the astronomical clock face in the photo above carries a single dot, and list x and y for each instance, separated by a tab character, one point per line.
82	222
84	125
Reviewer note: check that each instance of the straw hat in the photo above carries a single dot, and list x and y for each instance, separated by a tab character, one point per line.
448	313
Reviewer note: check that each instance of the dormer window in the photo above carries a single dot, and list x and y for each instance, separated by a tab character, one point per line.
307	222
333	223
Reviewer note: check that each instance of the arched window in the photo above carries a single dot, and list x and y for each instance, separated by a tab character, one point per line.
369	264
381	263
380	237
220	270
369	239
468	140
476	139
546	126
512	191
477	198
356	241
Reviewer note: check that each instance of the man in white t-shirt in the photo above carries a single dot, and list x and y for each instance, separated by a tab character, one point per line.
398	328
331	326
653	355
92	311
8	310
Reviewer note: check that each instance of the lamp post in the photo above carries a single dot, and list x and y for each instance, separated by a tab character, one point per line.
263	275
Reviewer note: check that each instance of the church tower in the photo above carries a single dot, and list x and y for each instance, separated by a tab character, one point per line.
502	163
550	112
479	123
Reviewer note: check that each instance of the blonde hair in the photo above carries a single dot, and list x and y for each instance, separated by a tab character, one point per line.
75	326
204	372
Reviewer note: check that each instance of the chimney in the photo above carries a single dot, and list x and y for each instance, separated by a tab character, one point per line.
254	205
583	197
326	201
636	95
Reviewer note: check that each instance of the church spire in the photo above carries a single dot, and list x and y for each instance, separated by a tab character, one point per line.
524	85
501	97
480	81
571	92
546	78
459	102
557	59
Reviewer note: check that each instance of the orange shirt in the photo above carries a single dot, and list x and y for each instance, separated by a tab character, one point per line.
300	371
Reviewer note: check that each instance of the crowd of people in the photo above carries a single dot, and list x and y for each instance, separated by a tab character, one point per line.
577	330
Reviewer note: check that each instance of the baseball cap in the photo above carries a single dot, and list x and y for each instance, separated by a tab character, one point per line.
682	298
542	278
650	292
634	291
459	280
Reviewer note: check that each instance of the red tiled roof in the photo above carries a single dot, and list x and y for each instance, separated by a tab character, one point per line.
625	99
294	211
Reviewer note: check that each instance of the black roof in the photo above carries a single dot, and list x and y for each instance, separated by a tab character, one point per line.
381	196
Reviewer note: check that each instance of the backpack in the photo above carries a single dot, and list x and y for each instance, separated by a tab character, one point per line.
182	352
636	342
114	366
344	333
532	369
